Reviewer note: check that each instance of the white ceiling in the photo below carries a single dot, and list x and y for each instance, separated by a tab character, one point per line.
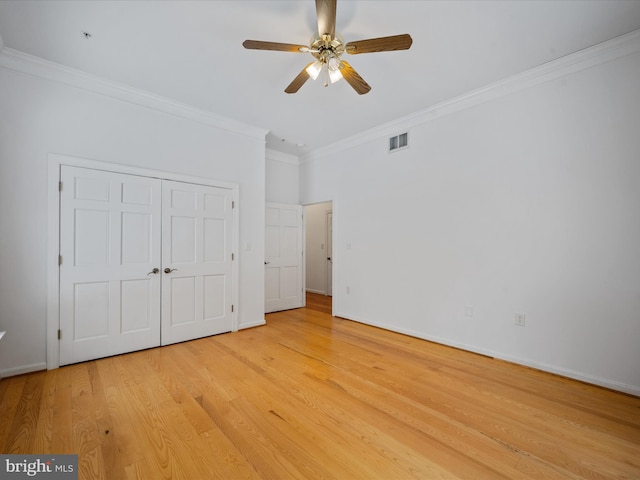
191	52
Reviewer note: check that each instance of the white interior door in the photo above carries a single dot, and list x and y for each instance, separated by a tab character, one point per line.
196	261
109	246
283	257
329	253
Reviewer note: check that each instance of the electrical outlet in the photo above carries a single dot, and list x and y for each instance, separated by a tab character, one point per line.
468	311
519	319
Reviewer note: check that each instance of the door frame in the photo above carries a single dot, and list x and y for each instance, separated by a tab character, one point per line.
328	216
55	162
335	299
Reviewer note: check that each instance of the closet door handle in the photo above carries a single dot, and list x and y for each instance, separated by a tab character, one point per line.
169	270
153	272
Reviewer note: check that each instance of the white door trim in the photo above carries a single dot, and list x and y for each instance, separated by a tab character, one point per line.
328	218
55	162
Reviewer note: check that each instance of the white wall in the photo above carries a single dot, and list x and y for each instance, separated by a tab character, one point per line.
527	201
282	178
316	246
38	117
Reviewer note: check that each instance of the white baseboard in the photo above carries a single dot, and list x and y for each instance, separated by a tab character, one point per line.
593	380
319	292
12	372
258	323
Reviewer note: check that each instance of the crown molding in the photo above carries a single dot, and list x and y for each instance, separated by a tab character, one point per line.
281	157
619	47
35	66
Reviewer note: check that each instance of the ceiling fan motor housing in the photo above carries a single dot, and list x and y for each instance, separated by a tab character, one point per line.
325	47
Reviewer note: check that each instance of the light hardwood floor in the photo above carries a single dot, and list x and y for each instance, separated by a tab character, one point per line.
310	396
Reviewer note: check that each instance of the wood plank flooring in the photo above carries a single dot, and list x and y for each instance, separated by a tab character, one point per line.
310	396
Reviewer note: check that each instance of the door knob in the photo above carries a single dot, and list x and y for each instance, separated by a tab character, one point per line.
169	270
153	272
267	263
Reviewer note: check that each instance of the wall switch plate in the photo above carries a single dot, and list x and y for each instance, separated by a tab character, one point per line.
519	319
348	290
468	311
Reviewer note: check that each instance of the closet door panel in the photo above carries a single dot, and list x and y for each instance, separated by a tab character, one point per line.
197	261
109	244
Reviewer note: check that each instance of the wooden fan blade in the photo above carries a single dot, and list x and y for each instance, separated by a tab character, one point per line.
382	44
281	47
326	11
355	80
302	77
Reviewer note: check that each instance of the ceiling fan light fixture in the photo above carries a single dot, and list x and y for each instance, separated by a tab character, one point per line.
335	75
333	66
314	69
333	62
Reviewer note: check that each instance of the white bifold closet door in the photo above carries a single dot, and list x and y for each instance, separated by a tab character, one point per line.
144	262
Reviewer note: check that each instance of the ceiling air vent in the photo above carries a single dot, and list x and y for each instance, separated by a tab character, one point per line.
398	142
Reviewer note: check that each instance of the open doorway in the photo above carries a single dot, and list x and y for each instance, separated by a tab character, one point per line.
319	248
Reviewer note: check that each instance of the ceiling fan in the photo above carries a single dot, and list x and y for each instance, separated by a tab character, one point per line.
327	47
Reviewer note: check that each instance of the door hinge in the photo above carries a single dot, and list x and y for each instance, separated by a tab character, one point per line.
233	204
233	257
59	334
59	260
231	308
60	186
